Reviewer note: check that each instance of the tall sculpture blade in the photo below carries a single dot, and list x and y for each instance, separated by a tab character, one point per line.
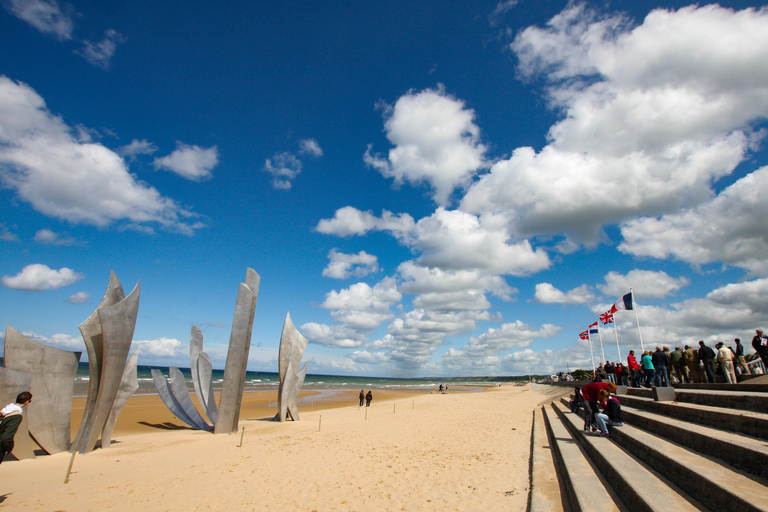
12	383
202	372
292	346
118	323
169	399
53	381
237	355
181	392
94	344
205	371
128	385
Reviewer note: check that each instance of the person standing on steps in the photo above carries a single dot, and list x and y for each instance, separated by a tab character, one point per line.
760	344
740	359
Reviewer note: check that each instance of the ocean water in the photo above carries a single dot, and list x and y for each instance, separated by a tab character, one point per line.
267	381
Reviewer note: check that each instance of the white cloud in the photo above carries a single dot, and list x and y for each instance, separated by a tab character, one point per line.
366	357
137	147
548	294
284	167
451	239
62	341
67	179
79	298
191	162
644	283
343	265
652	115
337	336
731	228
47	16
436	141
349	221
310	147
48	237
6	235
361	306
501	9
161	347
100	54
39	277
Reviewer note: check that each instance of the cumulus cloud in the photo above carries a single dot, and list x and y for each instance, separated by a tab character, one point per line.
548	294
310	147
349	221
38	277
6	235
644	283
47	16
191	162
729	228
337	336
161	347
343	265
48	237
361	306
62	341
137	147
284	167
652	115
61	177
100	54
436	141
485	351
79	298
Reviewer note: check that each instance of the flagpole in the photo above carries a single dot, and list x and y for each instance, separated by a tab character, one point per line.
616	331
634	307
602	350
592	355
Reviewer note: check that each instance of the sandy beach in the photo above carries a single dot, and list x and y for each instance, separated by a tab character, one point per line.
454	451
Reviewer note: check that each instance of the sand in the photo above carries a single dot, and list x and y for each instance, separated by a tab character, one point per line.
441	452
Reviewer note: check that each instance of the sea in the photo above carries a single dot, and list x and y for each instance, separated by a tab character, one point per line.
267	381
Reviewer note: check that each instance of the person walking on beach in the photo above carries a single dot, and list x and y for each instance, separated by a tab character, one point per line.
362	397
11	419
368	398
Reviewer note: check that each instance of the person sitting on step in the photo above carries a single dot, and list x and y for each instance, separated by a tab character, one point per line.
611	414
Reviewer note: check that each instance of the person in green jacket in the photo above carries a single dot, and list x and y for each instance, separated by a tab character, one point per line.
11	419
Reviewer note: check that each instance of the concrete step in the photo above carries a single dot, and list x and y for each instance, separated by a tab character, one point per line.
640	488
544	492
745	386
745	422
728	398
739	451
710	480
584	489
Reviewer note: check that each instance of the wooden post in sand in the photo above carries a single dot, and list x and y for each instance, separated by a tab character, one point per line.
413	404
241	438
69	469
366	414
393	408
320	423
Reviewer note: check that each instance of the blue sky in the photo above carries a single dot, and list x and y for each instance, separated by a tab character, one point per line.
430	188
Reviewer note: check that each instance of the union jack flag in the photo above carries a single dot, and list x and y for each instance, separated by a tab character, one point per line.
606	318
584	335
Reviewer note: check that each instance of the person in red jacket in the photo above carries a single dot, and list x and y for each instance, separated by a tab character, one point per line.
590	395
634	369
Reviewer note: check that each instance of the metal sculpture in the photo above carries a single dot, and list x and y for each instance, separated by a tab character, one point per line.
176	400
237	355
53	379
108	334
202	374
292	346
128	385
12	383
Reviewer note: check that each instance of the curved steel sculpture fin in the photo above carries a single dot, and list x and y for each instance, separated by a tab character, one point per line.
53	380
128	385
181	393
166	395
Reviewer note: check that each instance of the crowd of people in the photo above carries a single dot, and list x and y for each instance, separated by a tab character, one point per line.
687	364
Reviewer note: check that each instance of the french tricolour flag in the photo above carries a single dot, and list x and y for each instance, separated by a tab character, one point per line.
623	304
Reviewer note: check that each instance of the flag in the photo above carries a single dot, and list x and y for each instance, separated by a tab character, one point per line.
593	328
584	335
623	304
606	318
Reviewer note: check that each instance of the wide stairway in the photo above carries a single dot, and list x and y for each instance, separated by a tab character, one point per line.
707	450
